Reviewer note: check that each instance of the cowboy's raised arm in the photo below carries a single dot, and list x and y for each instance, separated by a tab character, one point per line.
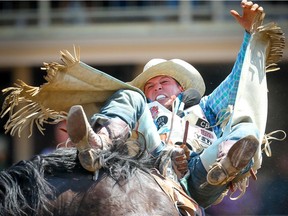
225	94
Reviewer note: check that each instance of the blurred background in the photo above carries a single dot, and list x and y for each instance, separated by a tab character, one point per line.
119	38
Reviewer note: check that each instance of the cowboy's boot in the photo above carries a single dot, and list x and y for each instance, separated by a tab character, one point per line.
88	142
233	158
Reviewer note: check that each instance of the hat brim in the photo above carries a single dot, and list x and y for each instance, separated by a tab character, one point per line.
187	78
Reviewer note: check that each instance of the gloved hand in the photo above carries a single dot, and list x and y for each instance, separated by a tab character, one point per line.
179	161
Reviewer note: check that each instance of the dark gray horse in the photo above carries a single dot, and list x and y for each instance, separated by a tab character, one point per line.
56	184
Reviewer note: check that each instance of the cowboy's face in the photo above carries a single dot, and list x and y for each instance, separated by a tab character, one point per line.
163	89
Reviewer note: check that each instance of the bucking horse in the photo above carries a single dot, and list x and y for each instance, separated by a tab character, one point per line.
56	184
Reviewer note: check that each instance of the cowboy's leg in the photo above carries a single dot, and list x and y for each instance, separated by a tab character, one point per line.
113	123
132	108
239	131
200	165
127	105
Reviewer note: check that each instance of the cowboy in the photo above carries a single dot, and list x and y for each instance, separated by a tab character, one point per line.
221	150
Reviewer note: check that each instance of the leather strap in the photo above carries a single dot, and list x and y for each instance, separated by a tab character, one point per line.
185	204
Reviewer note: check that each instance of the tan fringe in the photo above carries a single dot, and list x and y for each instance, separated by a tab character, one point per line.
275	35
33	112
30	114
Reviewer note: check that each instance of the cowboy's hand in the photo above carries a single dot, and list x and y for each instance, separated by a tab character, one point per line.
250	12
179	161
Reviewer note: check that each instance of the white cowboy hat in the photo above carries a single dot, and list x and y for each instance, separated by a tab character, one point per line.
184	73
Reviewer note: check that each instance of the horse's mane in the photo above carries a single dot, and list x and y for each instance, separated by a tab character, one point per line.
115	161
24	190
